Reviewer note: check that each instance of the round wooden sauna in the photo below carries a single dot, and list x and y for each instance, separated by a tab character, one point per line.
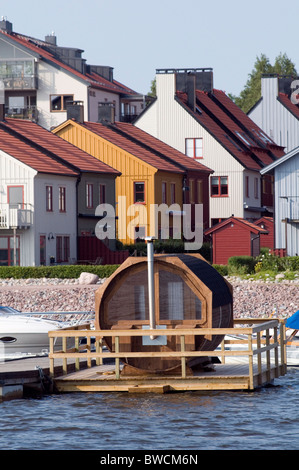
188	293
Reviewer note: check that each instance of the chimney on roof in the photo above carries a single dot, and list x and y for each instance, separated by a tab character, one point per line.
106	113
5	25
190	80
51	39
75	110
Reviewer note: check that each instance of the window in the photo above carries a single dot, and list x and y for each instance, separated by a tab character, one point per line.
194	148
89	195
62	199
172	193
164	193
246	186
49	198
191	191
60	102
7	250
42	249
139	196
62	248
16	196
256	188
219	186
102	194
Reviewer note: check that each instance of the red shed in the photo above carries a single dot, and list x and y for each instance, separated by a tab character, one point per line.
267	240
235	237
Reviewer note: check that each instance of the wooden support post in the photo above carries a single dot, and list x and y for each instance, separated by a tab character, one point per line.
276	353
51	358
268	355
259	357
99	349
183	359
222	350
250	362
117	373
88	350
283	352
77	362
64	362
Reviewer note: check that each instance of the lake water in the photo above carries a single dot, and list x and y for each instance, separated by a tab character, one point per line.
266	419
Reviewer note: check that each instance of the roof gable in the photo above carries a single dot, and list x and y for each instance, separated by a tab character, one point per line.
61	150
238	221
39	48
233	129
124	142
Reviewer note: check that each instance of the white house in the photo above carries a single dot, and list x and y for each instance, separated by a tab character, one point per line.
45	195
202	122
42	80
286	193
277	111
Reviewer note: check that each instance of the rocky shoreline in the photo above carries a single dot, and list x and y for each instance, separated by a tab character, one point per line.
251	298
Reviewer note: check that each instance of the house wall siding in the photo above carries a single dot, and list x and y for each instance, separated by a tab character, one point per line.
230	241
131	168
287	205
51	81
275	120
64	223
167	120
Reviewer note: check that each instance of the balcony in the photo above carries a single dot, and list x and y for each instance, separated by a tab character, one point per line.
14	82
22	113
20	216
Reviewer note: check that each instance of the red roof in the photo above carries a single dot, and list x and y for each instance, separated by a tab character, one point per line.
161	148
36	158
46	152
41	48
285	101
238	220
60	149
113	134
233	129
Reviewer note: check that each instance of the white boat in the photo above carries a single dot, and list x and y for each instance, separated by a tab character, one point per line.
26	335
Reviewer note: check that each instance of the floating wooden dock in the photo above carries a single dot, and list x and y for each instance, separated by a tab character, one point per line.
261	360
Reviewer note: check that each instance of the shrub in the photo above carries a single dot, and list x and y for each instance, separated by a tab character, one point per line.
60	272
221	268
241	265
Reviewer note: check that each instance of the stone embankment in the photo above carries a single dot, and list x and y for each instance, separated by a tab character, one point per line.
251	298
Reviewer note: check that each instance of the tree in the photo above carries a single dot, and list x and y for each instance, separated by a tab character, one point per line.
252	90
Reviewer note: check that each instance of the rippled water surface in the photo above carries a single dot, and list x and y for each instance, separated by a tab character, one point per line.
262	420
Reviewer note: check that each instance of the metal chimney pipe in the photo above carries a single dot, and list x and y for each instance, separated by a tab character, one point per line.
151	285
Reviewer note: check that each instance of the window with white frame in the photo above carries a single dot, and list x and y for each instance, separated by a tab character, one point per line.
89	195
49	198
62	199
194	147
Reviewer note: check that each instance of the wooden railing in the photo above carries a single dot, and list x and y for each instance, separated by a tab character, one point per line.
256	338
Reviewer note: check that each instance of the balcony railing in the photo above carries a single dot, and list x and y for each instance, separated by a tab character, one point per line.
22	113
17	216
20	83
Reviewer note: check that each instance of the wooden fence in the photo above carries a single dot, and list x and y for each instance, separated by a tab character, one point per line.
256	340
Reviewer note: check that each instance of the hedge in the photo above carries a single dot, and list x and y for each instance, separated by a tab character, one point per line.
241	264
60	272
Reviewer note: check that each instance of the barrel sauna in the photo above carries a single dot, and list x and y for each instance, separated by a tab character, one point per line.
188	293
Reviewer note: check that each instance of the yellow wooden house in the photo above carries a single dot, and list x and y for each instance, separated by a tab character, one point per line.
152	173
